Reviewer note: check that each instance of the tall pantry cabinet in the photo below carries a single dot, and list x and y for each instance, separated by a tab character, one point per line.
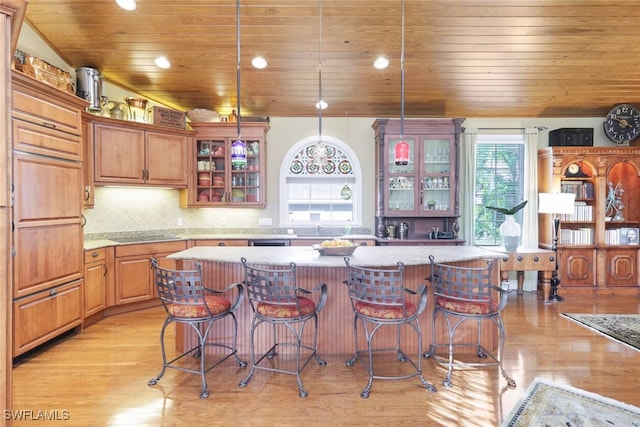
47	238
11	17
598	246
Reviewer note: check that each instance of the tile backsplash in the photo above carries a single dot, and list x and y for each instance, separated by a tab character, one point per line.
119	209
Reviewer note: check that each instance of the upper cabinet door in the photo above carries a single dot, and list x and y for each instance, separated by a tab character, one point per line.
400	181
136	154
437	177
166	159
118	155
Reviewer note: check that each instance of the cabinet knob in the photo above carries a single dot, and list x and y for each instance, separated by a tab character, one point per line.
222	244
535	259
520	258
53	292
95	254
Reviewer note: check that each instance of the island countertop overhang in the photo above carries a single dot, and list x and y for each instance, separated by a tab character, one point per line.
364	256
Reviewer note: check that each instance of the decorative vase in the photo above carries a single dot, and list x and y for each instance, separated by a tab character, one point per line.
510	232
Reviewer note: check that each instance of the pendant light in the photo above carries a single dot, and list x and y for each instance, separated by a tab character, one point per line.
320	149
401	151
238	147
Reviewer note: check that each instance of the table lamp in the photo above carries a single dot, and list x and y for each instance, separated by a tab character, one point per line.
556	204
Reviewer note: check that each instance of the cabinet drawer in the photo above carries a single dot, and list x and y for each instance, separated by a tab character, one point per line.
46	256
54	112
150	248
95	255
223	242
45	140
44	315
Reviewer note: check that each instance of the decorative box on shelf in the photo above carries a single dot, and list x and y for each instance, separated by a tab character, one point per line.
168	117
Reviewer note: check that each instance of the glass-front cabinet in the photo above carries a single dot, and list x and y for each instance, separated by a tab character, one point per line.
215	180
421	193
423	186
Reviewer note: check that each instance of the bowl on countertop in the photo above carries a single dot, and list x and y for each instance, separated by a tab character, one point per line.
335	250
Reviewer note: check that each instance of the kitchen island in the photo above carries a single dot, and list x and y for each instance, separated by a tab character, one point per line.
221	266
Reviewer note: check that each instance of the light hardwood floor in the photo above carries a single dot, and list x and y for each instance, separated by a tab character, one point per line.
100	377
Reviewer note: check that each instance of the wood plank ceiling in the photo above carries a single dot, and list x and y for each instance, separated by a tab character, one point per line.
463	58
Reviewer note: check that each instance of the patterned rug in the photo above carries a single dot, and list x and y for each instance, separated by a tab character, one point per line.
548	404
621	327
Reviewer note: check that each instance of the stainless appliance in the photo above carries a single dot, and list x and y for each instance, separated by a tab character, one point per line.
89	87
269	242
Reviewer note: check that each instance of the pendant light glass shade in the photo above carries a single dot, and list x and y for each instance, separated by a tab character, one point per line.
238	154
401	151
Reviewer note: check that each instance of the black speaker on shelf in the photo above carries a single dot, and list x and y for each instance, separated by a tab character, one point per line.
571	137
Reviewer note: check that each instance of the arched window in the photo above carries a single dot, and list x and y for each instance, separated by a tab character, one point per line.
311	194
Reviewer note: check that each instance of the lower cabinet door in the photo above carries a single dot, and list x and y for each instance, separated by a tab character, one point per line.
576	267
134	277
44	315
622	267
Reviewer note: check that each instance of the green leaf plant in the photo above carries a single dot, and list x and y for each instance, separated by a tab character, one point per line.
508	211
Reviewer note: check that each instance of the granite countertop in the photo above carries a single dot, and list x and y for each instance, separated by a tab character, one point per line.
364	256
144	238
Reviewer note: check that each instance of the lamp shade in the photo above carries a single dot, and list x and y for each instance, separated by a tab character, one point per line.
556	203
401	153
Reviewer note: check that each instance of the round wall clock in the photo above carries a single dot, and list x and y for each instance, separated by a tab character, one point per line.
622	124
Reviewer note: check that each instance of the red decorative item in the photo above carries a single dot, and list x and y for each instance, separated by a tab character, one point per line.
402	153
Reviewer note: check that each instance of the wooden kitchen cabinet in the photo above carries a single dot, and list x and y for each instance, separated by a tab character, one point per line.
424	192
43	315
46	157
134	153
593	248
46	121
134	281
95	281
212	179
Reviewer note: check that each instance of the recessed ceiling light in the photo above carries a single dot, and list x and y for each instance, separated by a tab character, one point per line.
381	63
321	105
162	62
259	62
127	4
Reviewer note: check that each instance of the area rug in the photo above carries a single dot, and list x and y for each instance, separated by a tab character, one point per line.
549	404
620	327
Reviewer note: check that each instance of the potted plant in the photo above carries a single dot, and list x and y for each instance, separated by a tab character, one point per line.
431	204
510	229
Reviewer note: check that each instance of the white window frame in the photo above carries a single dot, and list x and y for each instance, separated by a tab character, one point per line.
285	176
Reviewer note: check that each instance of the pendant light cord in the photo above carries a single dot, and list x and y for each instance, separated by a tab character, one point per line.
402	77
238	66
320	71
